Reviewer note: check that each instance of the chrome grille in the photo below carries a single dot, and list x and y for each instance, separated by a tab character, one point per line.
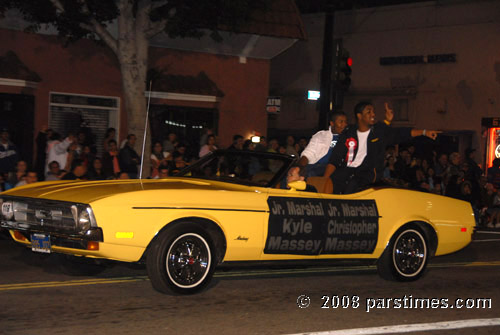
40	214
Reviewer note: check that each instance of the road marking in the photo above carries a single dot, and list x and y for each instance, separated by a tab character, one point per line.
417	327
93	281
222	274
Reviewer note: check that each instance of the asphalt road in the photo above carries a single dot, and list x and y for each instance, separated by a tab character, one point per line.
36	298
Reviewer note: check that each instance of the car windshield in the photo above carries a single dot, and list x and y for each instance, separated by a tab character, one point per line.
251	168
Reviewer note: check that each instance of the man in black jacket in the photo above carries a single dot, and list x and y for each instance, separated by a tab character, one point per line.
358	158
128	157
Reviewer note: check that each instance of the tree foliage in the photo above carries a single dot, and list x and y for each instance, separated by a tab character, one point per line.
137	21
75	19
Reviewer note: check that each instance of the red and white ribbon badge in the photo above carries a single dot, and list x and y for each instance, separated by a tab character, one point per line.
351	145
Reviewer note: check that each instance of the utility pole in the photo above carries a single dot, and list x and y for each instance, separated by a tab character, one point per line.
325	100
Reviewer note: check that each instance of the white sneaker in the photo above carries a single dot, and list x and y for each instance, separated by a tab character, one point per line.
497	225
490	225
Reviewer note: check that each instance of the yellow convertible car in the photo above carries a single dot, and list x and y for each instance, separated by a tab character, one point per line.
229	207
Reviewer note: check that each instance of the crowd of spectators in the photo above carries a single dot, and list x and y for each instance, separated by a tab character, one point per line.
77	158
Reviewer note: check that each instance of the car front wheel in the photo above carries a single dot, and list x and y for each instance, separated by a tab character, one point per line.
181	260
405	258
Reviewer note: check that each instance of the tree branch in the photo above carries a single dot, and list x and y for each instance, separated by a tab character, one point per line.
94	27
98	28
156	28
58	5
149	28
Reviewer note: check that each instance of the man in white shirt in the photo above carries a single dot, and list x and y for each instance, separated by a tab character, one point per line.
57	150
358	158
318	151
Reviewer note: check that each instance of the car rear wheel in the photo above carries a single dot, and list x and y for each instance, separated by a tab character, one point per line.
405	258
181	260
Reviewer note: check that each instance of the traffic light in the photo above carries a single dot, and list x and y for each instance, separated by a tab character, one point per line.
343	68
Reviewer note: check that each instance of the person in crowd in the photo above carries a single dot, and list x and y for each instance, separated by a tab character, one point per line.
248	145
298	173
237	143
55	173
159	159
431	175
204	136
290	146
474	171
494	211
109	135
209	146
438	186
8	153
163	172
96	171
282	150
452	188
123	175
441	165
178	163
42	138
303	142
273	145
390	173
78	171
128	157
57	150
81	141
30	178
110	161
20	172
318	151
358	158
454	165
182	150
490	205
494	173
87	156
73	153
170	143
262	145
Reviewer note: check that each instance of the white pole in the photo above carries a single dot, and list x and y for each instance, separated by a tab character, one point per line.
145	130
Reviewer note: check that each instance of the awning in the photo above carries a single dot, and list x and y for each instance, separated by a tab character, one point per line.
178	87
13	72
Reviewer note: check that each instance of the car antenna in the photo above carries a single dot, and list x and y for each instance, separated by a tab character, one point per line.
145	131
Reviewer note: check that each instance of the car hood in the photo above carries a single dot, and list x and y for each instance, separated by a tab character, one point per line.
88	191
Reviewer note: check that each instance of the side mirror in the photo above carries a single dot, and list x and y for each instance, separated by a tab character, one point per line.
298	185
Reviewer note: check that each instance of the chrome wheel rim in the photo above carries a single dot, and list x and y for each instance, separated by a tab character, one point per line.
188	260
409	253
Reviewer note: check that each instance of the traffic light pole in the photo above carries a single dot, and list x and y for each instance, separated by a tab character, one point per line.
325	100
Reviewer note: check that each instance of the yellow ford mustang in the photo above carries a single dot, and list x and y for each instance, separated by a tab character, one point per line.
228	207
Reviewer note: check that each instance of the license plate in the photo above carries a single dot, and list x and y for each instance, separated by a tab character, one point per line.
40	243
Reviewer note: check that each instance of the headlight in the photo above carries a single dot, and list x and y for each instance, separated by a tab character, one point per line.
14	209
84	218
20	211
8	210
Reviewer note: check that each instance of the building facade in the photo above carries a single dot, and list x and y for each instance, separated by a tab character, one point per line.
194	84
437	62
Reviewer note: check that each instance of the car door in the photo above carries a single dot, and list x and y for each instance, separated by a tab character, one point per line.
307	225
